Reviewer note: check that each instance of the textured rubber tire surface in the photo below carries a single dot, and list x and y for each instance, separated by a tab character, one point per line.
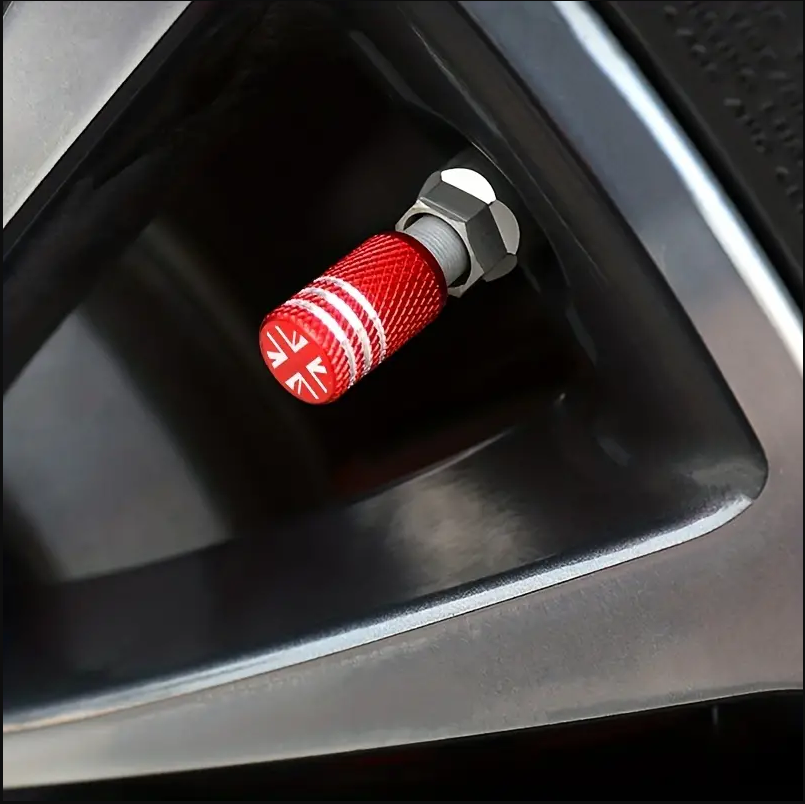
732	73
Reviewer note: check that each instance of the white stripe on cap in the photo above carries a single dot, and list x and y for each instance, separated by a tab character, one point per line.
365	305
334	327
338	304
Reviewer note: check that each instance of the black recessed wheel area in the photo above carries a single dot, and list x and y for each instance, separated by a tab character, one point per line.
481	532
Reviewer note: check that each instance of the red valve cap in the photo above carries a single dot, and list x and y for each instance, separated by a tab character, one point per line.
332	333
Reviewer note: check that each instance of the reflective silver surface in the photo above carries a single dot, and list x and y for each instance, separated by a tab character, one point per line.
443	243
62	61
464	199
630	630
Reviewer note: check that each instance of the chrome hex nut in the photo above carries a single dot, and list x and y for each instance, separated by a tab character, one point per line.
466	200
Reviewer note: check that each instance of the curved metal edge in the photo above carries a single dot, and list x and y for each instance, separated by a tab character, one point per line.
97	45
715	616
712	204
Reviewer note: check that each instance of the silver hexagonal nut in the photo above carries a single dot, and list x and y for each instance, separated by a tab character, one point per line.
465	200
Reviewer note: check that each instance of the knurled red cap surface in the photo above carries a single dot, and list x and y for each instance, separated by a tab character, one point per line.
345	323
